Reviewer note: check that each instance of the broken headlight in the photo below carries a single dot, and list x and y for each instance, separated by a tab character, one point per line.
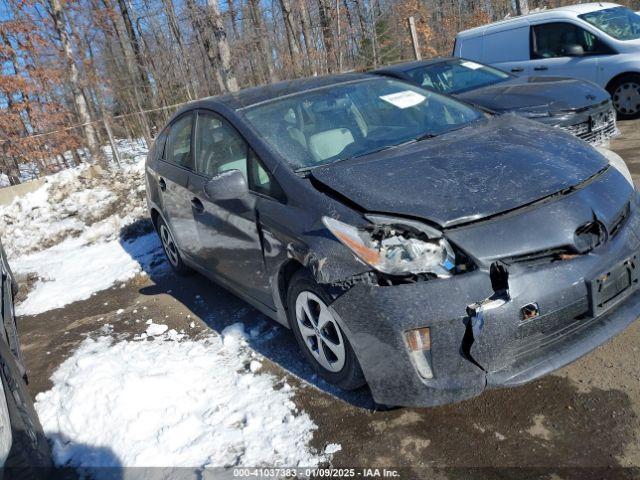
397	247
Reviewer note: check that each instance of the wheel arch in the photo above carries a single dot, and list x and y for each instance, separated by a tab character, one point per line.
619	76
285	273
155	214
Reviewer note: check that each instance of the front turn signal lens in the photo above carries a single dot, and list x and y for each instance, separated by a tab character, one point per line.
419	343
418	339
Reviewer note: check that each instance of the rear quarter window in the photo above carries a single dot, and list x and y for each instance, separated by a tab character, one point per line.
158	146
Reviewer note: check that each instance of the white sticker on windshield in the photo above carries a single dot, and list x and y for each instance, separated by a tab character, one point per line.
471	65
405	99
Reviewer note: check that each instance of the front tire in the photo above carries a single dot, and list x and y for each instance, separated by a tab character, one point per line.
171	250
319	335
625	94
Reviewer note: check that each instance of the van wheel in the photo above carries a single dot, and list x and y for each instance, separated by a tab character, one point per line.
319	335
171	249
625	94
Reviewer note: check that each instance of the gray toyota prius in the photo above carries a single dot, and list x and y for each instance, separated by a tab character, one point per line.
410	241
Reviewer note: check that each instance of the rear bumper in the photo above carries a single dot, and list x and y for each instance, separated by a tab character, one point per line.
507	350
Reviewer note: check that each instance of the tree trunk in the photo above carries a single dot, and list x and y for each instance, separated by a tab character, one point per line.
289	24
183	60
79	101
135	46
233	16
261	32
305	22
224	53
128	52
324	8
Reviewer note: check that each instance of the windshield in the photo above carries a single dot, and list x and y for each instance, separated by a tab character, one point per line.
353	119
456	76
618	22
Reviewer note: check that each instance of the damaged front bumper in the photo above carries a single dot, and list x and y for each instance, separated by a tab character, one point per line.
595	125
549	318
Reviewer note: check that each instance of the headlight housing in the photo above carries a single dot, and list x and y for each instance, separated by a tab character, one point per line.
397	247
617	162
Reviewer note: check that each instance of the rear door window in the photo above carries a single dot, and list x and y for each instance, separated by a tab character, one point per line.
219	147
179	144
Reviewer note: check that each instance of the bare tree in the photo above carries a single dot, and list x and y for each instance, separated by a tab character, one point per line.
261	33
224	53
292	40
57	14
305	22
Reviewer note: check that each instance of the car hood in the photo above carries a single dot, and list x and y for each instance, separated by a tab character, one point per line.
486	168
557	94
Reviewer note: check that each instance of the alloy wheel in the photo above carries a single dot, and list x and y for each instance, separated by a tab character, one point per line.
626	98
320	331
169	245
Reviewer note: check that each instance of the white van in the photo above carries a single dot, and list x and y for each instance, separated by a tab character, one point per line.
592	41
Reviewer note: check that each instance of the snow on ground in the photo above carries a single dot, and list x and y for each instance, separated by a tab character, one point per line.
79	218
174	402
73	270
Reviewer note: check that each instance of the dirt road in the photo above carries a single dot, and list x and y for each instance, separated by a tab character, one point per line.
585	415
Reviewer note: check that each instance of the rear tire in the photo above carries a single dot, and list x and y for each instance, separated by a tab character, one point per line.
171	250
625	94
319	335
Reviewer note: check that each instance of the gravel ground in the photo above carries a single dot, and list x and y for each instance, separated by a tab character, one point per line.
585	415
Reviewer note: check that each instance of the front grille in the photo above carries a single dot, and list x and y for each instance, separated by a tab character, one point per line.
541	257
549	328
600	127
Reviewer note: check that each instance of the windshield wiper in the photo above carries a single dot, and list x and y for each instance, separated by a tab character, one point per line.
419	138
424	136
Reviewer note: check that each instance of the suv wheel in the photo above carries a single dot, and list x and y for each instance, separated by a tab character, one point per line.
319	335
625	93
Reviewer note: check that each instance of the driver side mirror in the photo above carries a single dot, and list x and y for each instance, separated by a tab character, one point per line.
229	185
574	50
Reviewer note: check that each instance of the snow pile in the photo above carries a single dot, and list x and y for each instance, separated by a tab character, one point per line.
184	403
69	203
74	234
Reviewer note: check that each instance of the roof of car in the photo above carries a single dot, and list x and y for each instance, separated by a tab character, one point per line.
566	11
264	93
404	66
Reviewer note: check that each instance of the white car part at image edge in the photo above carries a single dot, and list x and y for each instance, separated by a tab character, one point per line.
617	162
508	45
6	438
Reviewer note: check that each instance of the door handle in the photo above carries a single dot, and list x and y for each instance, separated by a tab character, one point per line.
197	205
541	67
517	69
163	184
